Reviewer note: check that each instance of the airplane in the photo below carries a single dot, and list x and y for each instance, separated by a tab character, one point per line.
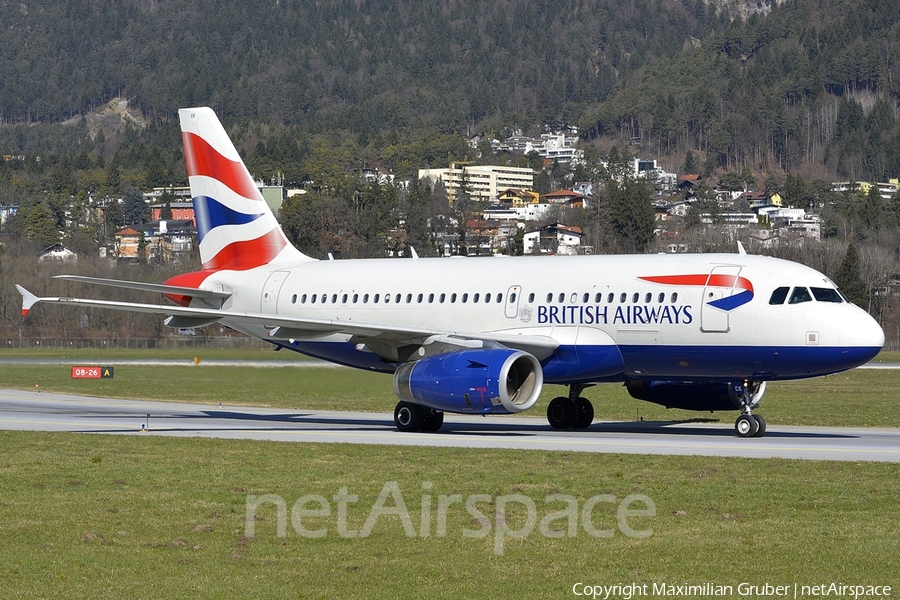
483	335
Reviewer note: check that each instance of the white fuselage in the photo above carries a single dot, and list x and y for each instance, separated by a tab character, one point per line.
661	329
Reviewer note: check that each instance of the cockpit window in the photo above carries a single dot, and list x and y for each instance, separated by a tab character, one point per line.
779	295
826	295
800	294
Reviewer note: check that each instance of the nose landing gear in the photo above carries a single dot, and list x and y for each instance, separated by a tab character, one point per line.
748	424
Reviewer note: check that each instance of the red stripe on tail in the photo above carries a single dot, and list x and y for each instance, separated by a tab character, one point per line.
203	159
239	256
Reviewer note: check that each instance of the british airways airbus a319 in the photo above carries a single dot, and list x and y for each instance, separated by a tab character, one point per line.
482	336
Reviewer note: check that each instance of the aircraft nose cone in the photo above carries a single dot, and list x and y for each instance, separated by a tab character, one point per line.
861	332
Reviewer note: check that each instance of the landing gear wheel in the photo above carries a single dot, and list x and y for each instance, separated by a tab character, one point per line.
746	426
762	426
585	415
433	421
560	413
409	416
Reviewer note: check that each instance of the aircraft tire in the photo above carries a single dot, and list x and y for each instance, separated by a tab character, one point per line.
762	426
585	415
432	421
746	426
408	416
560	413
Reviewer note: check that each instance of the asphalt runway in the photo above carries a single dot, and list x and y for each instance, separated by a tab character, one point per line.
32	411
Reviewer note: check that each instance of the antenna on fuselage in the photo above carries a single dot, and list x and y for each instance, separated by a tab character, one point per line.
741	250
412	251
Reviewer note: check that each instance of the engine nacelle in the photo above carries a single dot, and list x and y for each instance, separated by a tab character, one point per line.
693	396
479	381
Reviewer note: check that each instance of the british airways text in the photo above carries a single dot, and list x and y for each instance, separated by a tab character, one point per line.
620	315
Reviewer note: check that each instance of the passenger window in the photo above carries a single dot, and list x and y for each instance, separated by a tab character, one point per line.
419	298
499	298
408	298
586	297
512	298
549	297
674	297
377	297
826	295
598	297
313	301
355	298
475	298
800	294
648	297
343	299
397	298
610	298
662	297
465	298
635	297
334	298
622	297
487	297
562	297
779	295
430	298
303	299
365	298
387	298
452	298
442	298
530	298
294	299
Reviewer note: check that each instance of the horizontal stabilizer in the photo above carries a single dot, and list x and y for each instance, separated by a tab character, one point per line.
158	288
28	299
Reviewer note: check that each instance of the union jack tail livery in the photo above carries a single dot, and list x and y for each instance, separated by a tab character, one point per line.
235	227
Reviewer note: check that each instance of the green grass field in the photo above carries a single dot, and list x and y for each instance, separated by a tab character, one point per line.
95	516
98	516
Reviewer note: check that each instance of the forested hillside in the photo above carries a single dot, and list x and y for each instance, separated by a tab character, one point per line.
359	65
812	86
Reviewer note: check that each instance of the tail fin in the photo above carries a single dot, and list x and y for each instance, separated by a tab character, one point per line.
235	226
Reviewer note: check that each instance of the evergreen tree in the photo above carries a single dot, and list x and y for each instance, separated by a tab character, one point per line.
135	208
42	226
630	213
691	164
849	278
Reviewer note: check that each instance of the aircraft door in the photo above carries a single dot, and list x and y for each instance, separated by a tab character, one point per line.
720	284
268	302
512	301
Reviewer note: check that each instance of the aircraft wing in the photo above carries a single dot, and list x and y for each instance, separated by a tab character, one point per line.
283	327
147	287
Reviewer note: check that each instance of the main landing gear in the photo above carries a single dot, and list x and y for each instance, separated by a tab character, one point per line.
748	424
574	412
413	417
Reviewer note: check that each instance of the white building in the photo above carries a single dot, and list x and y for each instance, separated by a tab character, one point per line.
553	239
485	182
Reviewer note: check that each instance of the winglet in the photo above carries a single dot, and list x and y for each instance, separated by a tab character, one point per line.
28	300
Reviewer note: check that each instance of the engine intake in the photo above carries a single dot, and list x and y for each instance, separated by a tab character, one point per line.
480	381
